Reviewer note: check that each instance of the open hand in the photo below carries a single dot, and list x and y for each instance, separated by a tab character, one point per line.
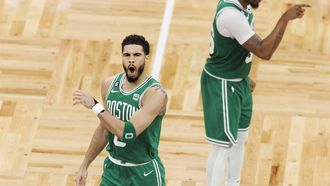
81	177
83	98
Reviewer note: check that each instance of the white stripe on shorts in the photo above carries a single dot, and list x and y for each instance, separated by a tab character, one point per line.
226	113
159	180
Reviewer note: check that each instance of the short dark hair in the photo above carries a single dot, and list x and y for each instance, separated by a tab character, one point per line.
136	40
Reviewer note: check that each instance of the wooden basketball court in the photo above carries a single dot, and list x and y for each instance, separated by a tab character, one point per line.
49	48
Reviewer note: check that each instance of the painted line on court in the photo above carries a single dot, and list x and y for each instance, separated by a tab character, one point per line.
158	61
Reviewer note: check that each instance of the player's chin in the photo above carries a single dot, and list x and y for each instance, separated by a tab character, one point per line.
132	80
131	74
132	77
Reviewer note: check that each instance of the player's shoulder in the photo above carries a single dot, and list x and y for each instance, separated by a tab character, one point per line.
230	16
230	11
157	87
108	80
156	90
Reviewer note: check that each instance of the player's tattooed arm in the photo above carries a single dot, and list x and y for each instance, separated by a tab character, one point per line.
265	48
153	104
278	39
160	89
253	44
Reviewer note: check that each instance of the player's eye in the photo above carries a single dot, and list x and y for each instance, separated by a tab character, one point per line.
126	54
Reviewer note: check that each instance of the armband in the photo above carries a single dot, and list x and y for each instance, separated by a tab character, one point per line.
129	134
98	108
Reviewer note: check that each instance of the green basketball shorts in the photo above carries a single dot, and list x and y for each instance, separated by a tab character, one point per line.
117	173
227	108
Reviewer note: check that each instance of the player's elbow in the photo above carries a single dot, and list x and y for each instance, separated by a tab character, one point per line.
265	55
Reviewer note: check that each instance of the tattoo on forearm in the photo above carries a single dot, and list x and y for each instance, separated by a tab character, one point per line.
278	38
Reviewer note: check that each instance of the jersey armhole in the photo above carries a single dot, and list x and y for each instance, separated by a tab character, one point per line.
111	86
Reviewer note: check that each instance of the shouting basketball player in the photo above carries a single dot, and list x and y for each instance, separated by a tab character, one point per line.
130	117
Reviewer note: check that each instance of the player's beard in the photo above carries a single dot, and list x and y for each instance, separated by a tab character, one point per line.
254	4
139	72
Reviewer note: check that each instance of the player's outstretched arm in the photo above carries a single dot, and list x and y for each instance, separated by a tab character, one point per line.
266	47
97	144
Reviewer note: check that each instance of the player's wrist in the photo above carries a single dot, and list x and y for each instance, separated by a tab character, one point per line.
84	165
98	107
83	168
285	18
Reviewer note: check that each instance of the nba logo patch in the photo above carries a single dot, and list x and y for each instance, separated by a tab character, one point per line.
117	83
136	97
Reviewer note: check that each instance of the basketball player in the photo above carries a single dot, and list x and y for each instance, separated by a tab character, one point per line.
130	124
225	86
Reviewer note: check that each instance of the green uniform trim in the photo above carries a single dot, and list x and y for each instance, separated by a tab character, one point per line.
136	88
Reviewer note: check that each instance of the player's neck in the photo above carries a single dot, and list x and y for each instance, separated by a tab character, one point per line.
243	3
128	86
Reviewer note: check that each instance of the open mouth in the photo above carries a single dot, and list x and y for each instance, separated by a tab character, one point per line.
131	70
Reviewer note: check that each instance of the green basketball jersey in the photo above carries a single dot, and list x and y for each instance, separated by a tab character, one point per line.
123	105
228	59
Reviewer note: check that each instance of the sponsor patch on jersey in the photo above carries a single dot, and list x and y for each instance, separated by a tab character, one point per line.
136	97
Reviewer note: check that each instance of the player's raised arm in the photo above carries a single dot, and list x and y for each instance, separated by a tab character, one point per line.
265	48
